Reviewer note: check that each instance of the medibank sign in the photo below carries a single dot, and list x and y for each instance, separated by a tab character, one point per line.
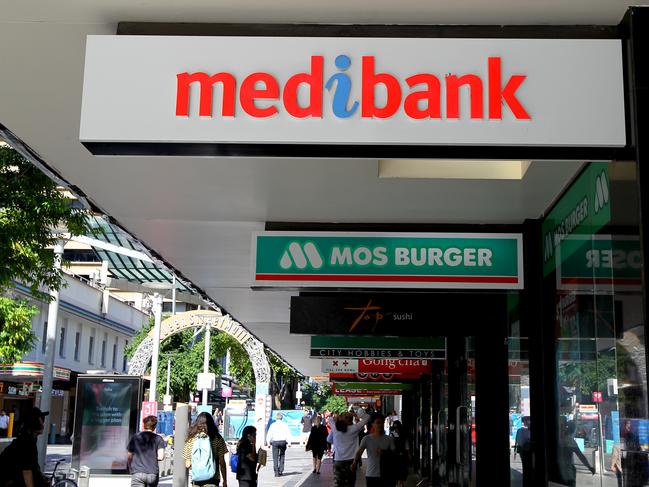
422	102
374	91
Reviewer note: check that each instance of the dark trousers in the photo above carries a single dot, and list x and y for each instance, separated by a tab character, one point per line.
343	475
144	480
279	451
527	461
374	482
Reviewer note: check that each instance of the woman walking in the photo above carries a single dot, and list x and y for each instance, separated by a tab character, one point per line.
344	437
204	453
247	466
317	443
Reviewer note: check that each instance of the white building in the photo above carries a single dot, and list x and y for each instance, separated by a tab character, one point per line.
93	329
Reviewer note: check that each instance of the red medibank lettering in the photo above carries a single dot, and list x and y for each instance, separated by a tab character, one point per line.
453	84
369	82
249	93
431	96
508	94
207	82
424	100
314	81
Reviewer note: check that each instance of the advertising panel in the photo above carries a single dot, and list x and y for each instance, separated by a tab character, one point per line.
351	91
373	260
107	411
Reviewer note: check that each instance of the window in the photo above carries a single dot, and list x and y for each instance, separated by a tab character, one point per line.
44	338
91	350
77	345
114	362
166	307
62	342
124	356
103	350
80	255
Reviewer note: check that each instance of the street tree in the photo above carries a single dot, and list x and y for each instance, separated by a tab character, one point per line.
31	206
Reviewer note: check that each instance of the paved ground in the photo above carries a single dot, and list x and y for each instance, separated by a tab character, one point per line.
298	467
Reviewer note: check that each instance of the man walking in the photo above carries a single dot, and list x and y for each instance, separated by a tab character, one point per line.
277	438
145	450
307	424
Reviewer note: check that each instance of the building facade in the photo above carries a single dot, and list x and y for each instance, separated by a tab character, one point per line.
92	332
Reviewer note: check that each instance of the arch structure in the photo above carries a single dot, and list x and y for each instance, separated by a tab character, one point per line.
215	319
198	319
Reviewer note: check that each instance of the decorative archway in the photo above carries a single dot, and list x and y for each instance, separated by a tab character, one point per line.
201	318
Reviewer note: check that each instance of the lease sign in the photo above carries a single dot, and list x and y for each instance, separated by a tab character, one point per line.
412	260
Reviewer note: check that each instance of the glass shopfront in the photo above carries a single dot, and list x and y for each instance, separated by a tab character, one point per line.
592	276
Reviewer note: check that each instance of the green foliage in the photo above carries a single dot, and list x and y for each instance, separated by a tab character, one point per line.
16	337
335	404
315	396
31	206
588	376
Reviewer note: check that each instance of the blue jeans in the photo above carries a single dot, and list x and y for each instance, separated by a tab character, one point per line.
139	479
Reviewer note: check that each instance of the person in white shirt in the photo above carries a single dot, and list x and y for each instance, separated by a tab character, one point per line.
344	437
4	424
277	437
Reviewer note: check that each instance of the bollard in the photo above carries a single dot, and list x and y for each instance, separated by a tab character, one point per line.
596	461
10	431
180	435
52	435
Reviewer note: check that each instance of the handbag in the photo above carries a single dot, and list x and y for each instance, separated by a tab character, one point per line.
262	457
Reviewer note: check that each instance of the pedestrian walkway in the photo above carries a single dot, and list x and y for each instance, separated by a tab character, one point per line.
326	477
297	466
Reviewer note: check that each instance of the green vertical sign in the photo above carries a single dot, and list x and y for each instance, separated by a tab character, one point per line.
583	210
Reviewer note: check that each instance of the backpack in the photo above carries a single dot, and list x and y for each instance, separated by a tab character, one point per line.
203	465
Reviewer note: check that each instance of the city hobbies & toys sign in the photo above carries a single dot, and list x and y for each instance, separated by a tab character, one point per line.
408	260
350	91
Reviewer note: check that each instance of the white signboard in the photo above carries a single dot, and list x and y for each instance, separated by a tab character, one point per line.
315	90
340	365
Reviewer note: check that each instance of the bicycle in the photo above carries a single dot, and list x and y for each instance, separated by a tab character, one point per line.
60	480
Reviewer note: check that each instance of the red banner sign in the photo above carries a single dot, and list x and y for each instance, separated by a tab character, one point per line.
414	367
373	377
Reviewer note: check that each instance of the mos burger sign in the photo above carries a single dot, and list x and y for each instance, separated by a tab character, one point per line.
373	91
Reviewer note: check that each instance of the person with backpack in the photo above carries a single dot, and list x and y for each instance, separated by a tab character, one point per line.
247	466
204	452
145	450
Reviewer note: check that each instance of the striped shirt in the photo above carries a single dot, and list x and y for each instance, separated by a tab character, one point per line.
219	449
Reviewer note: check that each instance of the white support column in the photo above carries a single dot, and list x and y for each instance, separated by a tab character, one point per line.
206	359
48	365
157	313
173	295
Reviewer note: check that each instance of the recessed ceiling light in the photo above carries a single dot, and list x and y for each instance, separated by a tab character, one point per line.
452	169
